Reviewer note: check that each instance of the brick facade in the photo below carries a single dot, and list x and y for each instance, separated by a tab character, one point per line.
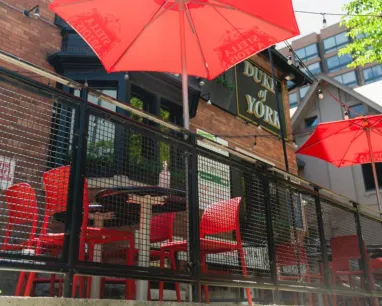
219	122
27	37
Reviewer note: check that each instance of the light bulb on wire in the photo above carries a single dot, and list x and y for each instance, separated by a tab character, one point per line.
290	62
346	115
324	23
320	94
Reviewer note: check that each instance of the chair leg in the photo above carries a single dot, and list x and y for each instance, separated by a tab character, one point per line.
245	273
30	283
161	283
20	283
149	292
204	270
129	290
173	266
52	283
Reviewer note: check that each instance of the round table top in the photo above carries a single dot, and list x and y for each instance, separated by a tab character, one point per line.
120	202
123	199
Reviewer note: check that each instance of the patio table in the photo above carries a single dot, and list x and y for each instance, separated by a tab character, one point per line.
151	200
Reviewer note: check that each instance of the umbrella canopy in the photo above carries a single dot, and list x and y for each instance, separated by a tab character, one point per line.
347	143
145	35
193	37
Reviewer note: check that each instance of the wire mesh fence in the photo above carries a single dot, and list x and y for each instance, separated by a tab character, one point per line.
122	213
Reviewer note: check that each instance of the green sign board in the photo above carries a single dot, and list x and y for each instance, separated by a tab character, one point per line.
256	98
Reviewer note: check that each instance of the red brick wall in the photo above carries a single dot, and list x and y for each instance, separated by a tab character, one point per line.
219	122
28	38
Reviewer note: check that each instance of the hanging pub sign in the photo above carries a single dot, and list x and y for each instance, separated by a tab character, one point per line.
256	98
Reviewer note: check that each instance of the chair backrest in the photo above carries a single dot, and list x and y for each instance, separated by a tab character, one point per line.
345	248
162	227
56	186
287	255
22	209
221	217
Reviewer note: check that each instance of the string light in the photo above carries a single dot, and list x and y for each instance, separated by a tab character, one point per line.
320	94
324	23
338	14
346	115
290	62
126	77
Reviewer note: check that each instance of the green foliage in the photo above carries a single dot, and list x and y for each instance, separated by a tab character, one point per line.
222	80
100	152
366	32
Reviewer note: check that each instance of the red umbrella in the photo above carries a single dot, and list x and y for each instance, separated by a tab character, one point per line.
197	37
347	143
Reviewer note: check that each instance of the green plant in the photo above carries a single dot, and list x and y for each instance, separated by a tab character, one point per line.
365	31
222	80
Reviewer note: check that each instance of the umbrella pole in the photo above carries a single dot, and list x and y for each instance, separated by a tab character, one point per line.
186	112
374	170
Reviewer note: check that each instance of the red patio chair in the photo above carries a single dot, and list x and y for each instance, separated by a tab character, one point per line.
22	211
345	249
56	185
161	230
286	255
219	218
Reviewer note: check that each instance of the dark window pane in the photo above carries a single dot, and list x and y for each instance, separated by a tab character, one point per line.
336	62
373	74
311	122
368	177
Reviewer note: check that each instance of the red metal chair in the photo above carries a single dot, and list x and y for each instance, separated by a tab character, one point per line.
161	230
56	183
286	256
22	211
345	249
219	218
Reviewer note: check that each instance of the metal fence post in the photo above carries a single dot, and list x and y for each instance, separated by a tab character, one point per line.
75	194
270	234
362	250
194	228
324	250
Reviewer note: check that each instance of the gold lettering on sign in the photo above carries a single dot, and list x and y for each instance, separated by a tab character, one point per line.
258	108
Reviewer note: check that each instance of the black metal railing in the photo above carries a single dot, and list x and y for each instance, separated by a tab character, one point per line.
97	199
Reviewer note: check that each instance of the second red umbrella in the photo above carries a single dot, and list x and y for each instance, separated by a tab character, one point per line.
347	143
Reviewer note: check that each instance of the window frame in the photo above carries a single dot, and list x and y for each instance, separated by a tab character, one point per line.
351	84
341	65
299	91
337	46
310	56
294	104
374	78
367	172
315	118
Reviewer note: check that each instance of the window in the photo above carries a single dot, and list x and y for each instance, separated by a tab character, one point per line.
303	91
307	52
293	100
311	122
372	74
335	42
315	68
336	62
368	177
348	78
356	111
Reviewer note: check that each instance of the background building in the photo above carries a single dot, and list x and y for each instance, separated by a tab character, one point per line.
354	182
319	52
